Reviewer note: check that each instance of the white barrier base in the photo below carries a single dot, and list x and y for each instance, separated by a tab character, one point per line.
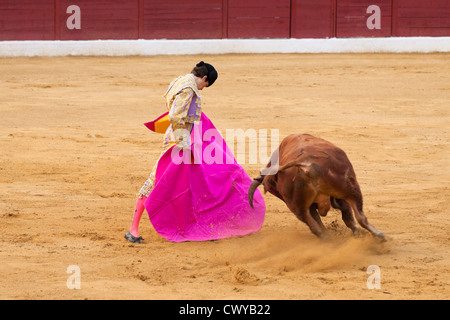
222	46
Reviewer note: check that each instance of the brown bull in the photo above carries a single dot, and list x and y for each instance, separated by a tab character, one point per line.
311	176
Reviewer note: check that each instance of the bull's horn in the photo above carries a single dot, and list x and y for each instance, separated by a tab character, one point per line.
251	190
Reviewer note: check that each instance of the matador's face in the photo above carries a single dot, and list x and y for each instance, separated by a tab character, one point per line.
202	83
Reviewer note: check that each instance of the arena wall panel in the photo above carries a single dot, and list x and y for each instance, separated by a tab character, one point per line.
421	18
313	18
181	19
352	18
259	18
27	20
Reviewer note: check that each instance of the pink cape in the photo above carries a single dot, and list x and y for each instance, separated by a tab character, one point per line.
203	200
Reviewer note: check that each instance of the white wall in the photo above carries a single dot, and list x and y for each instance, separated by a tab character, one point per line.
219	46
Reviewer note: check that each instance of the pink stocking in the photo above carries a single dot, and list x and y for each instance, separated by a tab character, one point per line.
137	216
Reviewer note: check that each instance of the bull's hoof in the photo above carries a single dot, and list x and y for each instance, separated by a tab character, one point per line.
132	238
381	236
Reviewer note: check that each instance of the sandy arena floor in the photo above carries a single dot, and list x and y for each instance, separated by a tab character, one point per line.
74	152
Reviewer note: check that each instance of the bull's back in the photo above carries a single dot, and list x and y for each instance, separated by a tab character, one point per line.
315	151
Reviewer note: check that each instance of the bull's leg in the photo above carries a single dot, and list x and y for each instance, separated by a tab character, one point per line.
300	206
356	205
299	196
303	200
303	215
347	214
304	196
315	214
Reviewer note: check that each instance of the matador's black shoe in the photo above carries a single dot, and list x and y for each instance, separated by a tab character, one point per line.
132	238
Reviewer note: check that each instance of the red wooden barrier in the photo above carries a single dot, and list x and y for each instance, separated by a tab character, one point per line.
313	18
99	19
421	18
216	19
258	19
352	18
181	19
27	20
